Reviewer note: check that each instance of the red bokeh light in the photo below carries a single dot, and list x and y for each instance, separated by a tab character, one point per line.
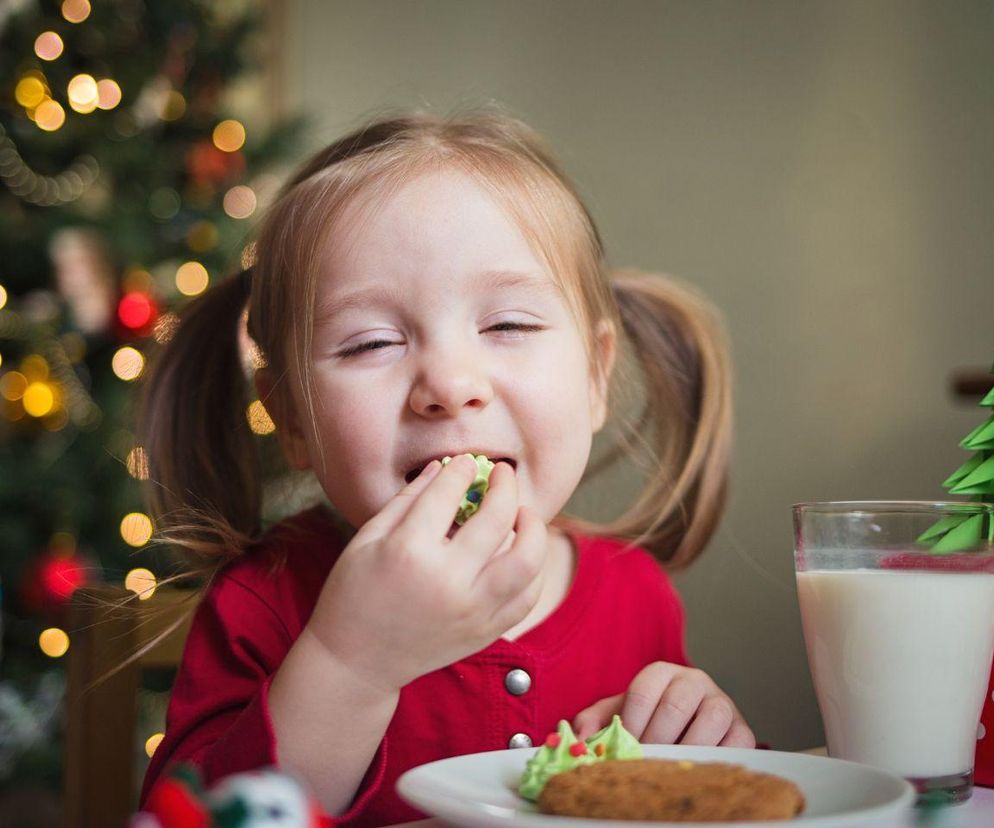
136	310
51	580
60	577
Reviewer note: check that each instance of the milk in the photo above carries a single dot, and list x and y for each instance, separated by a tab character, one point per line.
902	653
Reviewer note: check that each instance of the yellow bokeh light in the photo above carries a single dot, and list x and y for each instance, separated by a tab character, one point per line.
136	528
50	115
256	358
35	368
108	93
137	463
127	363
30	90
229	136
48	46
137	279
38	399
3	296
82	92
142	582
12	385
152	742
240	201
174	107
76	11
191	278
165	327
53	642
258	418
84	109
248	255
56	421
202	236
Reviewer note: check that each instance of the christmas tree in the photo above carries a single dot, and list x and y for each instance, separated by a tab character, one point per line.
126	187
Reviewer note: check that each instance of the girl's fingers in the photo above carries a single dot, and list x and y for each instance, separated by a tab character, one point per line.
399	505
643	696
739	735
510	580
677	707
587	722
432	511
485	532
712	723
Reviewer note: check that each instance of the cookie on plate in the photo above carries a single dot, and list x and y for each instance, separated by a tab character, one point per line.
667	790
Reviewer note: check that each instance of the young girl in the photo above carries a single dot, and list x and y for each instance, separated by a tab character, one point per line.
427	288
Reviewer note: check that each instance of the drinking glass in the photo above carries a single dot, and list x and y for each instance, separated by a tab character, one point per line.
898	616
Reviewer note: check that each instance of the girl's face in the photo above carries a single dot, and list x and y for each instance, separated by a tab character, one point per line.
437	332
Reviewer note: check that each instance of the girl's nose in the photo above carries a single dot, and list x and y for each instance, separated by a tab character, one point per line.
448	384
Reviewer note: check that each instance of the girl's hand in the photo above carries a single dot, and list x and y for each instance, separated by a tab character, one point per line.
404	599
669	704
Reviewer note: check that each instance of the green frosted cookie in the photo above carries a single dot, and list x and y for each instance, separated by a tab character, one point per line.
614	742
477	489
562	751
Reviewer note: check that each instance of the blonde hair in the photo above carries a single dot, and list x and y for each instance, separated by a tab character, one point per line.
204	460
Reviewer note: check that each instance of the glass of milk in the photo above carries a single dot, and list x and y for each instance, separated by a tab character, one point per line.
899	636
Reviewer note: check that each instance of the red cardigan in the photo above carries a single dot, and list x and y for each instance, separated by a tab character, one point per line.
620	614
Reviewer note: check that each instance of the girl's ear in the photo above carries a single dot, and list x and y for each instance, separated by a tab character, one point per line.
283	412
605	351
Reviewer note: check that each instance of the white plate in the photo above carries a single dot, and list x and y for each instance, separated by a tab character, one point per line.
478	790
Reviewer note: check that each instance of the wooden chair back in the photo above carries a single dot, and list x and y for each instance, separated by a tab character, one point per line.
101	716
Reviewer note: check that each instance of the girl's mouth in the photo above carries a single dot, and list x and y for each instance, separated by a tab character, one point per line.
418	469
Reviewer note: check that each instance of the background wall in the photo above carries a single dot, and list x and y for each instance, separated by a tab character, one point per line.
822	170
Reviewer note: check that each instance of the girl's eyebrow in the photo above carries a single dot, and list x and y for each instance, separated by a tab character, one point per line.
326	311
506	279
380	294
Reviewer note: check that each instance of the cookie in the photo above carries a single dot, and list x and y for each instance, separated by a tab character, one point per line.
470	503
670	791
562	751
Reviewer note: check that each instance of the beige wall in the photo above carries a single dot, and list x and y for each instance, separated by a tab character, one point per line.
821	169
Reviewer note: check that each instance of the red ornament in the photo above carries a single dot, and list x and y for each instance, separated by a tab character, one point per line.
577	749
137	312
552	740
206	164
52	579
176	806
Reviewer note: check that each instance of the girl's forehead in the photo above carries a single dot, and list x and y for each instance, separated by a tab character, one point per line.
440	220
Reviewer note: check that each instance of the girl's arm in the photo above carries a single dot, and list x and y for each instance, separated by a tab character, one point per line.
328	721
402	600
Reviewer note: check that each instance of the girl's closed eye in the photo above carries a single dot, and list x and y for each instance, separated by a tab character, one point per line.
508	329
513	328
365	347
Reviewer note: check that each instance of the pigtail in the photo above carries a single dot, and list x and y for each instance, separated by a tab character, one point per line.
204	469
685	425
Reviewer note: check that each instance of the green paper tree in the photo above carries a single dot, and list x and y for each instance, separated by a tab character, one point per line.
974	478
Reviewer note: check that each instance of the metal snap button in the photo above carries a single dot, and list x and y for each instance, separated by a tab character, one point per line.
517	682
519	740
